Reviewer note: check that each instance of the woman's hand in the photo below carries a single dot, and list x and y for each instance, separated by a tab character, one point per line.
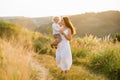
62	31
68	36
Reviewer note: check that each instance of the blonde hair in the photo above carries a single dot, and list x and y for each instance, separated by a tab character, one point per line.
56	17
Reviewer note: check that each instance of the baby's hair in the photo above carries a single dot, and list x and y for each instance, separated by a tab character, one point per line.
56	17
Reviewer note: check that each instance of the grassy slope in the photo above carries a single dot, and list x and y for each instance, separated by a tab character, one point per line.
18	54
15	61
93	59
76	72
22	21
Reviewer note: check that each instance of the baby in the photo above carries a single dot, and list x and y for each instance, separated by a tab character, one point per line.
56	33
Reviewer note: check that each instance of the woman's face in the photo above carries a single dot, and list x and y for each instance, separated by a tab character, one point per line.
62	22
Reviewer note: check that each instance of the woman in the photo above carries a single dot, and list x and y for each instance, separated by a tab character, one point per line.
63	52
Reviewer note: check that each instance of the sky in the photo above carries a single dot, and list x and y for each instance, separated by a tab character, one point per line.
40	8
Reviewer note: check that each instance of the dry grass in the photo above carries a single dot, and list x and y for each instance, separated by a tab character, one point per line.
16	57
15	62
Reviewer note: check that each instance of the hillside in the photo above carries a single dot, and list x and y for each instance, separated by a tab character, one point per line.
27	55
16	54
98	24
40	21
22	21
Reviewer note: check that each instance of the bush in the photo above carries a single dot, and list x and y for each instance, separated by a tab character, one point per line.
108	63
41	45
81	53
116	37
79	56
8	30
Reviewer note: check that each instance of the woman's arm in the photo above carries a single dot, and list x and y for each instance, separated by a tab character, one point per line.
68	36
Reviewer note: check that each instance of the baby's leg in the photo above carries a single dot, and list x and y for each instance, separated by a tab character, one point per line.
58	40
57	37
54	44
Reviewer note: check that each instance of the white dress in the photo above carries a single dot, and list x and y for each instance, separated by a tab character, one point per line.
63	53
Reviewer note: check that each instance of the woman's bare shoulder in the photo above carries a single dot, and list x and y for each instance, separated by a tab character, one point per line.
69	30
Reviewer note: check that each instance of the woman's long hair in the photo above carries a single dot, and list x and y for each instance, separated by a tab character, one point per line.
69	24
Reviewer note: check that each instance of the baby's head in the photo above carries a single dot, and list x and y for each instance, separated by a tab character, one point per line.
56	19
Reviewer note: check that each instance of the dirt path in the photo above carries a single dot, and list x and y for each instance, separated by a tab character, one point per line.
42	71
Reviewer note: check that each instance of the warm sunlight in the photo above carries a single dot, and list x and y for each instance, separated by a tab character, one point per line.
37	8
82	44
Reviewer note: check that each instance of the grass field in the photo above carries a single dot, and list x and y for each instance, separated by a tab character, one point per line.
93	58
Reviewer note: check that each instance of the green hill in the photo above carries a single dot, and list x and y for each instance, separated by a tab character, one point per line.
99	24
22	21
8	30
